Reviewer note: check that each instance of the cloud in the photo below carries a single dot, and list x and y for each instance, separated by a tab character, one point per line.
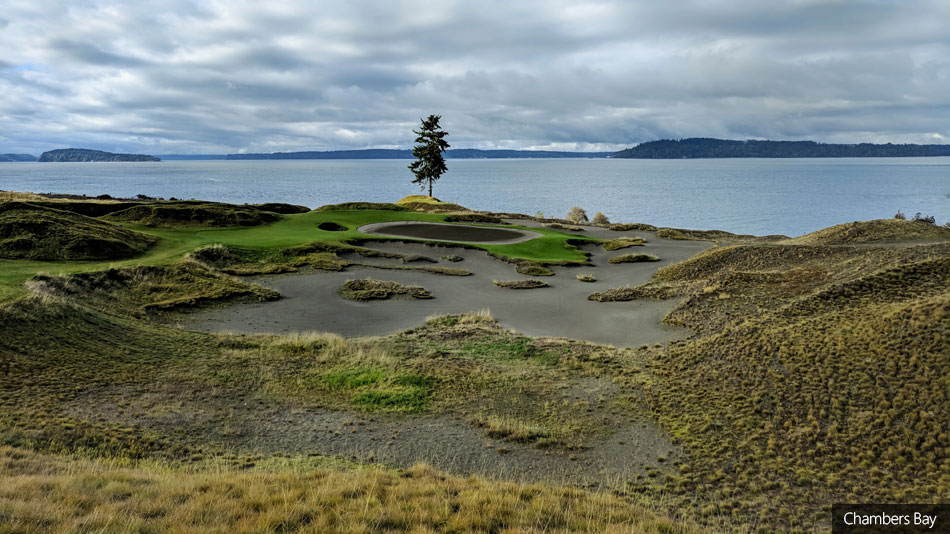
216	76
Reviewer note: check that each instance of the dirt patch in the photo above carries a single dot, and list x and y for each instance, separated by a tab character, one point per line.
248	423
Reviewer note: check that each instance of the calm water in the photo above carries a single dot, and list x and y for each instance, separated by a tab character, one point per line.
757	196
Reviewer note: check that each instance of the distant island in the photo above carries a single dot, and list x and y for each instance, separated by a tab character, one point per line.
83	154
7	158
701	147
386	153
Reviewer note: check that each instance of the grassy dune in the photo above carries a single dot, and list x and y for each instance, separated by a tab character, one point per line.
32	232
819	374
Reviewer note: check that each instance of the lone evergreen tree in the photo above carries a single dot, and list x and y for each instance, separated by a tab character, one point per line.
430	145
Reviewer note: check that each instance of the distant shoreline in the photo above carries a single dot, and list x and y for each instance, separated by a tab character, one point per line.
691	148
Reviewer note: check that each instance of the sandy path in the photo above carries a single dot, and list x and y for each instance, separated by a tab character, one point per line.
311	302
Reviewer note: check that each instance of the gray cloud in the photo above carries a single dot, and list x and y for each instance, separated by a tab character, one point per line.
212	76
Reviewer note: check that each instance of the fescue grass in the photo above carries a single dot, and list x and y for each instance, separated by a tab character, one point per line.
622	242
368	289
33	232
633	258
586	278
520	284
876	231
533	268
569	227
208	214
47	493
516	430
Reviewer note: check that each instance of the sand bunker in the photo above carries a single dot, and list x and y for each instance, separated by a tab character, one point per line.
310	300
450	232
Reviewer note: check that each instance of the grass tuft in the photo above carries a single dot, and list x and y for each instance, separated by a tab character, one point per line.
633	258
368	289
520	284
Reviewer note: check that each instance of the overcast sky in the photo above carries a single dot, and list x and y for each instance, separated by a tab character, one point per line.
215	77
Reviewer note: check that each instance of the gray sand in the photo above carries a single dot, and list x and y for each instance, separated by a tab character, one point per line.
310	301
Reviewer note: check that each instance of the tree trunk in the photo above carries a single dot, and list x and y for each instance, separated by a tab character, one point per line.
430	188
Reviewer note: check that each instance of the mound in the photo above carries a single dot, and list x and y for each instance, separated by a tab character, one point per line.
151	289
89	208
283	209
194	214
347	206
429	204
28	231
473	218
876	231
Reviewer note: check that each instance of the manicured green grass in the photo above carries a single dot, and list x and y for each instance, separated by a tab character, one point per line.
291	230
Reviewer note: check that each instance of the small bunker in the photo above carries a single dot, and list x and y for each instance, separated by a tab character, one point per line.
330	226
450	232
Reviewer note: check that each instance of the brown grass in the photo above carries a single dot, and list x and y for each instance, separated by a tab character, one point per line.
45	493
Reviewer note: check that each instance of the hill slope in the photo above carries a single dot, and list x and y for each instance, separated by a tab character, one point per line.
34	232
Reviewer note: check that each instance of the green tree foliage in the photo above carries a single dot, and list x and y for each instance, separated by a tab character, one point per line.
430	144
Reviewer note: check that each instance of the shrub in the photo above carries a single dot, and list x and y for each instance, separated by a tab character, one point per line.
925	218
600	219
900	215
577	215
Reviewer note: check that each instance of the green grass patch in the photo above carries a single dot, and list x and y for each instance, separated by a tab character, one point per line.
376	389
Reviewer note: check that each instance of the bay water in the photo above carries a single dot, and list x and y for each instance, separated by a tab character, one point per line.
750	196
